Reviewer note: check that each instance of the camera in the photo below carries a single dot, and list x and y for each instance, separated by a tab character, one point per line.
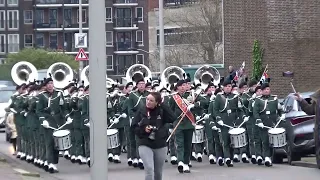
152	135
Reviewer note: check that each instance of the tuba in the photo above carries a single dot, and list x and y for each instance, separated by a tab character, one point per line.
61	74
171	74
138	71
205	74
24	72
84	76
110	82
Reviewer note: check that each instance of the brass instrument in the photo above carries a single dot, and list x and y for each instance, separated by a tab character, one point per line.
24	72
206	74
171	75
61	73
138	71
84	76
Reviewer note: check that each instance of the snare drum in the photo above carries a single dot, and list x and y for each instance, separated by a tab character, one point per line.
113	138
62	140
277	137
198	135
238	137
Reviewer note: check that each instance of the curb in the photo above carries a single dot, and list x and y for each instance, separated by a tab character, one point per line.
305	164
26	173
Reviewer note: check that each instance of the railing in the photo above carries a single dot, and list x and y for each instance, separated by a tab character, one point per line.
125	22
61	1
124	1
124	46
66	24
46	25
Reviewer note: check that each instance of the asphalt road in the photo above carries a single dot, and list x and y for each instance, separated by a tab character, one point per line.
199	171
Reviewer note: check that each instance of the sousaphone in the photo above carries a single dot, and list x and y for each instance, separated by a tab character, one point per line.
24	72
61	74
138	71
171	74
206	74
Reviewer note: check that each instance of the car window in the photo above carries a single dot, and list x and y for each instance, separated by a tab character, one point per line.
5	95
289	104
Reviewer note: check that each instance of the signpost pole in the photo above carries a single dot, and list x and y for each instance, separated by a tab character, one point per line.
80	32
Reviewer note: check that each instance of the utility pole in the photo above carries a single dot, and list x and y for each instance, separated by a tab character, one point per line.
161	37
98	103
80	32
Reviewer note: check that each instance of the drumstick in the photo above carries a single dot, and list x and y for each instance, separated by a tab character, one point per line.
51	127
111	125
265	126
241	124
227	126
277	123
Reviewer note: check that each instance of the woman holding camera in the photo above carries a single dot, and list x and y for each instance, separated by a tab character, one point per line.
149	127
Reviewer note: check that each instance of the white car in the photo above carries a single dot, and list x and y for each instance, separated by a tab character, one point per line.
5	95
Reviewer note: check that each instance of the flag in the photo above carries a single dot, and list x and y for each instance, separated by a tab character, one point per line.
239	72
265	76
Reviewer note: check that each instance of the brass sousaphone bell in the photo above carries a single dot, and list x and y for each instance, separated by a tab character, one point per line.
24	72
206	74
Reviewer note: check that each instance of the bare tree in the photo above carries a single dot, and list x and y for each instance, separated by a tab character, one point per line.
204	44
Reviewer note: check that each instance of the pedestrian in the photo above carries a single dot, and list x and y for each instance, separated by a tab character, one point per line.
13	131
148	125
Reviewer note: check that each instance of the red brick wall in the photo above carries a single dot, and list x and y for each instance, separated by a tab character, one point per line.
289	31
153	4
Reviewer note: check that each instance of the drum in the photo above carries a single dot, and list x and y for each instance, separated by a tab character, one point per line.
113	138
198	135
277	137
62	140
238	137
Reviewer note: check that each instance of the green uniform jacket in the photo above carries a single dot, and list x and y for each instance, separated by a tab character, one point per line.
32	118
85	110
118	109
266	110
74	112
245	102
212	118
19	106
57	113
136	100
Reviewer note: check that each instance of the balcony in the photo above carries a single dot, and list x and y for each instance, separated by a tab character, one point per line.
126	24
60	3
67	26
125	3
126	47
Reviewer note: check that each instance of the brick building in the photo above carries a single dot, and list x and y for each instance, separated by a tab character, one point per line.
51	24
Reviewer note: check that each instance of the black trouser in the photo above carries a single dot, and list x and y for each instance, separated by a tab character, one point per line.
14	144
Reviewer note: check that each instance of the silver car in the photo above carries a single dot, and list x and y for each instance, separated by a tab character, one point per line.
299	128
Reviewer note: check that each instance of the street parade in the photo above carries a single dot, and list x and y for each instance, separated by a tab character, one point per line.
225	120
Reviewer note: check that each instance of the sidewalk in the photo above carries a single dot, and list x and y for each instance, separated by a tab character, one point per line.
8	172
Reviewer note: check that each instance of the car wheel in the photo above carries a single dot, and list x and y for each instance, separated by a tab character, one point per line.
276	158
292	156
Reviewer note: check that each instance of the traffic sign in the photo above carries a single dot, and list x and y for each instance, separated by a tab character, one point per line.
80	40
81	56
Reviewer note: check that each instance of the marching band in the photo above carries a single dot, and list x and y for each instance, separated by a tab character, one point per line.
216	116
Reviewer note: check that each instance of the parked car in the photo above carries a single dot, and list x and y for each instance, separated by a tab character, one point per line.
5	94
299	128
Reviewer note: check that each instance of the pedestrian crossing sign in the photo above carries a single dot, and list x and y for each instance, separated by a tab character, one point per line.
81	56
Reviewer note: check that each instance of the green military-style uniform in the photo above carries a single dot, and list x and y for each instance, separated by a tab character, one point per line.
124	109
41	135
84	104
136	100
226	108
50	108
266	110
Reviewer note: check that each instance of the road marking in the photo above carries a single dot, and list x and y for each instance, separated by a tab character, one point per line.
26	173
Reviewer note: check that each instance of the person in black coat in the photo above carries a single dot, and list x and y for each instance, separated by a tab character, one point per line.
149	126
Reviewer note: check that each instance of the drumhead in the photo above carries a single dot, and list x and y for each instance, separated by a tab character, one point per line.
276	130
237	131
112	132
61	133
199	127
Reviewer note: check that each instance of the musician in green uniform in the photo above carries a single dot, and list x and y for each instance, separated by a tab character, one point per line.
136	99
184	131
85	122
246	98
266	111
124	109
51	111
17	107
227	111
111	102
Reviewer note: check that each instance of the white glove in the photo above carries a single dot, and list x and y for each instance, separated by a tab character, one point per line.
14	111
190	107
198	118
25	114
220	123
69	120
206	116
260	125
116	120
246	119
283	117
74	95
254	95
123	115
45	124
214	128
88	124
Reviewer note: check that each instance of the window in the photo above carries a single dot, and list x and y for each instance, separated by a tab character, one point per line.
53	39
39	16
123	63
109	62
40	40
2	2
67	17
139	14
173	36
139	37
2	20
140	59
53	18
13	43
109	38
84	16
28	16
28	40
12	2
108	14
3	44
13	19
